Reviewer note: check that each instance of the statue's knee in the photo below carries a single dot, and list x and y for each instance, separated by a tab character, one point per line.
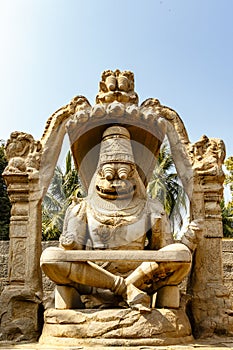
182	252
178	247
57	272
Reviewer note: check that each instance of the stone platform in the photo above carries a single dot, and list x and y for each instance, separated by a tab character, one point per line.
215	343
115	327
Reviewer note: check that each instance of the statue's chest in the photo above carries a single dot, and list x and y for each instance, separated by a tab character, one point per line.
131	236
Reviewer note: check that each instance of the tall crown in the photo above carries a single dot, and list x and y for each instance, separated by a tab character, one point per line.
116	146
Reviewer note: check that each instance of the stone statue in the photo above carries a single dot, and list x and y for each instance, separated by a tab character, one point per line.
117	215
23	153
117	86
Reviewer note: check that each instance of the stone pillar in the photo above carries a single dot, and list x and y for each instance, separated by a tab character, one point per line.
28	174
21	298
210	303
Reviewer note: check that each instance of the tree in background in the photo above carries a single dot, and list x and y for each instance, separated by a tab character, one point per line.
229	177
5	205
61	191
166	187
227	208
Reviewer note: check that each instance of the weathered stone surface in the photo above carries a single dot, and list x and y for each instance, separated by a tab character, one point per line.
116	327
227	245
19	314
227	257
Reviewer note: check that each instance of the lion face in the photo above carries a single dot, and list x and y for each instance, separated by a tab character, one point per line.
116	180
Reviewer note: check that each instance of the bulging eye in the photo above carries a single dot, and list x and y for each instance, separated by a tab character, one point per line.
123	171
108	171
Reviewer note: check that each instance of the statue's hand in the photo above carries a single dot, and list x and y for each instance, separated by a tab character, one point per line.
67	241
193	234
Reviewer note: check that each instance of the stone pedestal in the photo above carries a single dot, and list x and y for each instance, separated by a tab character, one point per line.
116	327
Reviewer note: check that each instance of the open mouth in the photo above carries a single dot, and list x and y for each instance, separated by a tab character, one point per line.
115	193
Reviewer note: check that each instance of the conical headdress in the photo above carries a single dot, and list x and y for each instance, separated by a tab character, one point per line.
116	146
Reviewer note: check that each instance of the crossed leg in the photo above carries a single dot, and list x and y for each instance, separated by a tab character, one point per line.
146	279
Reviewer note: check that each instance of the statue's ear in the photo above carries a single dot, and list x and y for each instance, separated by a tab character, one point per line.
103	86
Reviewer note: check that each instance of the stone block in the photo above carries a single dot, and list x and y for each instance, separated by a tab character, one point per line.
227	245
228	258
119	327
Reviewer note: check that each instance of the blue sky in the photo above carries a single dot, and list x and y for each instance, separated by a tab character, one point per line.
181	52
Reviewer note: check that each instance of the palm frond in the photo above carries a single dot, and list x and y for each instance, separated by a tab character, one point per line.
61	191
166	187
227	218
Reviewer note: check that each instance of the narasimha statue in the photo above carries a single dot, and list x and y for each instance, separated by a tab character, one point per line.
117	215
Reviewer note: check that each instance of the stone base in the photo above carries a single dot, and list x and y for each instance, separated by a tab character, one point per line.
19	314
116	327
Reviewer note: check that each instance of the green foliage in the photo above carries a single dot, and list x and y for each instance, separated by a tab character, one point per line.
165	186
5	205
227	208
229	177
62	189
227	218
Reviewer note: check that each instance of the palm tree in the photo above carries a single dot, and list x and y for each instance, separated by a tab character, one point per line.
227	207
227	218
5	205
62	189
166	187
